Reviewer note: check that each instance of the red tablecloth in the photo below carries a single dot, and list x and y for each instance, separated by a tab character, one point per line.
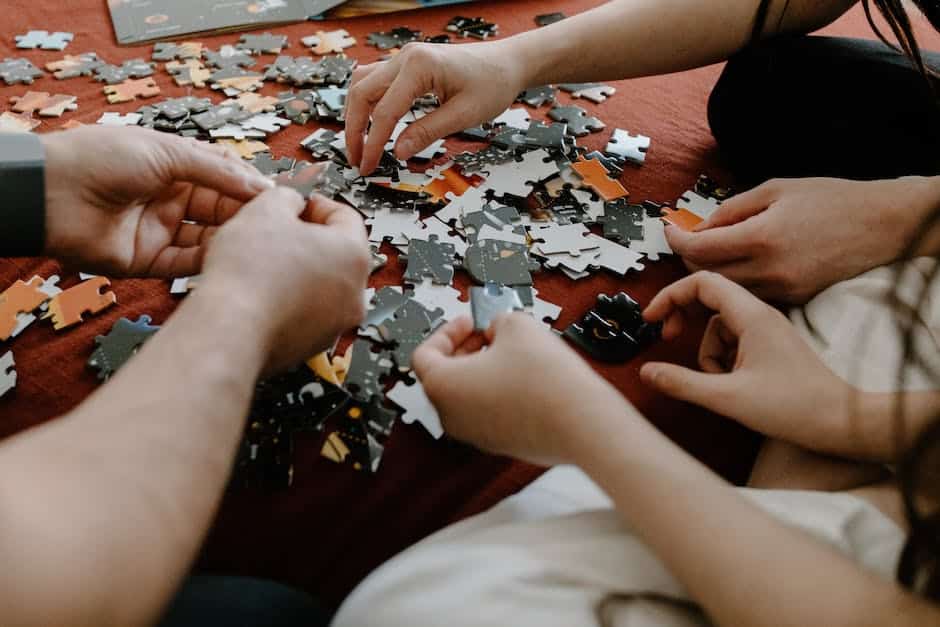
334	525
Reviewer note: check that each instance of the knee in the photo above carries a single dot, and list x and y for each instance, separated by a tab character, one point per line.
740	91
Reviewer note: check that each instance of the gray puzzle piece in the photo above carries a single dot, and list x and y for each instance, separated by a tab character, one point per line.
7	373
363	378
410	325
623	222
537	96
133	68
500	262
14	71
578	121
120	344
430	258
266	43
44	40
490	301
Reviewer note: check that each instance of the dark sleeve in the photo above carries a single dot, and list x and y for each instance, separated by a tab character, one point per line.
22	195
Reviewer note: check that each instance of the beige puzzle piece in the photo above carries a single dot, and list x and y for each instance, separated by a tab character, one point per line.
131	89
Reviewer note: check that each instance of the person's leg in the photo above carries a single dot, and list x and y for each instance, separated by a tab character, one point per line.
821	106
241	602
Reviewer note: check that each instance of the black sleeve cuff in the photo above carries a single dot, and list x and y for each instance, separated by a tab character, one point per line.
22	195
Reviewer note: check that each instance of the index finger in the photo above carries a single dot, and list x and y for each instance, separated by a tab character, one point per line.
735	304
368	84
713	246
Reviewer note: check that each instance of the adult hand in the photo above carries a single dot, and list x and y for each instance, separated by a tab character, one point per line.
756	369
298	267
789	239
474	83
117	199
494	398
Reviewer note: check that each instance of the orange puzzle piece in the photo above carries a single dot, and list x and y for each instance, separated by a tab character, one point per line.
19	298
45	104
131	89
594	175
67	308
449	180
332	42
682	218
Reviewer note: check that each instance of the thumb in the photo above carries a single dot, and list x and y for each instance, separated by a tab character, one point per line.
711	391
738	208
451	117
280	200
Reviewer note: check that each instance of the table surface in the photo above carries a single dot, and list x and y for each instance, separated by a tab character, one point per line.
334	525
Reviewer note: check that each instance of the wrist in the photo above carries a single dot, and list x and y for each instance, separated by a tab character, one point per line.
239	311
916	199
585	425
55	234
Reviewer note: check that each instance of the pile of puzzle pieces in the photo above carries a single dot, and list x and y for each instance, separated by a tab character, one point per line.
527	200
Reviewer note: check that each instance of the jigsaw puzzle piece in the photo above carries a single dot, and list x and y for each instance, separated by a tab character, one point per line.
66	309
701	206
20	298
7	373
613	330
119	345
490	301
682	218
630	147
418	408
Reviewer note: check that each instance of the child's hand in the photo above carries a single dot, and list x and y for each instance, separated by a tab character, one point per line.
757	369
522	396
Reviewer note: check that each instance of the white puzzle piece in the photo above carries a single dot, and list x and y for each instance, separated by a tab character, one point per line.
417	406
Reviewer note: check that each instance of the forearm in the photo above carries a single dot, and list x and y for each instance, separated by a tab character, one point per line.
878	429
919	217
631	38
741	565
103	510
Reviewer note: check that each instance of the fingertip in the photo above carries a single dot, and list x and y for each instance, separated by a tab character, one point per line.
405	149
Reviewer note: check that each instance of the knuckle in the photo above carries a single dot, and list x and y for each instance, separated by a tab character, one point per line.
416	52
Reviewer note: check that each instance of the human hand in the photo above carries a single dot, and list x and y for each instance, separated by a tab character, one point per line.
756	369
789	239
524	396
299	268
473	82
116	199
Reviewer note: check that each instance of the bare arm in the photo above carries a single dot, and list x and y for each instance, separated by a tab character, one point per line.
742	565
620	39
103	510
631	38
724	549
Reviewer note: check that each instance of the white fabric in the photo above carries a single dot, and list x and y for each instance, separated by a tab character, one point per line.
548	555
853	328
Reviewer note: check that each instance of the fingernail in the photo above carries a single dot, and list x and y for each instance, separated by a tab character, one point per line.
260	183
